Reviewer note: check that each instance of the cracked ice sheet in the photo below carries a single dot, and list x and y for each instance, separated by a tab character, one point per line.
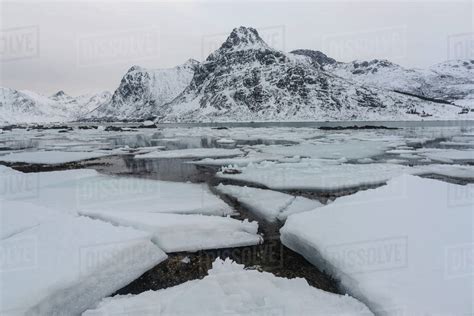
69	264
252	156
82	189
16	217
191	153
453	171
350	149
398	248
50	157
268	204
447	155
320	175
229	289
176	232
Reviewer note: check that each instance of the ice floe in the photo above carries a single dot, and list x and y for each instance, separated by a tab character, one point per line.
447	155
348	149
75	190
229	289
50	157
318	175
16	217
176	232
268	204
403	249
191	153
63	267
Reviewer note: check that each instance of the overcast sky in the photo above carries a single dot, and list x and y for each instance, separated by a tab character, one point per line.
83	47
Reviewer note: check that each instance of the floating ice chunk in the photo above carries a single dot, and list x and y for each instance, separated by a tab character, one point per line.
350	149
16	216
230	290
398	248
50	157
252	156
29	186
268	204
454	171
298	205
191	153
74	190
63	267
317	175
176	232
447	155
225	141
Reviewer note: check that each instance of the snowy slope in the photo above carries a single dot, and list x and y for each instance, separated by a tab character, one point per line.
29	107
450	81
142	91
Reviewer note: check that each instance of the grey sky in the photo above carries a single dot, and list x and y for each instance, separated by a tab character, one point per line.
85	47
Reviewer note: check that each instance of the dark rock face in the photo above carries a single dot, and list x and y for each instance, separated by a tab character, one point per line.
442	83
318	58
143	91
245	79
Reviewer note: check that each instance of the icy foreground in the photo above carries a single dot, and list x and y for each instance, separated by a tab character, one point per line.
270	205
231	290
403	249
81	190
64	266
177	232
50	157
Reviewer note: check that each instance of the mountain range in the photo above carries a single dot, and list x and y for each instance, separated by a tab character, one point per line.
247	80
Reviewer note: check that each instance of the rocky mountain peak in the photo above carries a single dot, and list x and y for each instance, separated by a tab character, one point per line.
243	38
60	95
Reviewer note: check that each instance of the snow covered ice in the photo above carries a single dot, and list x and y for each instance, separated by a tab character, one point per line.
187	220
270	205
49	157
229	289
177	232
192	153
65	265
76	190
317	175
403	249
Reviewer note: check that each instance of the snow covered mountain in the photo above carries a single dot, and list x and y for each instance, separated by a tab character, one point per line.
142	91
29	107
247	80
451	81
